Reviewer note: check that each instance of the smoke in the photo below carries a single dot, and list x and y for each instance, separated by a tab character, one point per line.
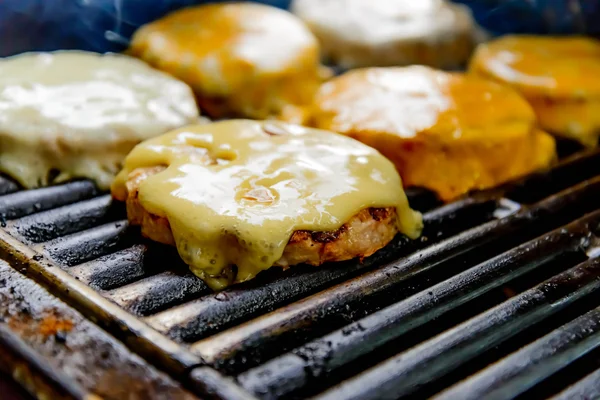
107	25
115	34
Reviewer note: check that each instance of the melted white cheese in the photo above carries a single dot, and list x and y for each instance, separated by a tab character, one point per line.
384	32
80	113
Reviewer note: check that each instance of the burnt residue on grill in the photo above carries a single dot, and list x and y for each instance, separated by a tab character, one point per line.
77	348
497	276
317	359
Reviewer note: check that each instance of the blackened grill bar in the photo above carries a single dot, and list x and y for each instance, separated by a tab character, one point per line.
512	377
302	332
408	372
19	204
7	186
313	360
243	341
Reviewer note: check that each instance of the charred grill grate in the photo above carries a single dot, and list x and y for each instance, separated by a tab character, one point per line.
499	298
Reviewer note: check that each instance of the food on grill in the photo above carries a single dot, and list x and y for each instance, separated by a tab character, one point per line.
359	33
559	76
237	197
447	132
242	59
76	114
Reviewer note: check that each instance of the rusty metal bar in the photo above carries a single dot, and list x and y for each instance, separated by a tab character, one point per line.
33	373
124	325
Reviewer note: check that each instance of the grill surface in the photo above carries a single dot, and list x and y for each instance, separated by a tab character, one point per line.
498	299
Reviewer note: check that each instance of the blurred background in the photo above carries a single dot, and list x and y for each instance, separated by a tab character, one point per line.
107	25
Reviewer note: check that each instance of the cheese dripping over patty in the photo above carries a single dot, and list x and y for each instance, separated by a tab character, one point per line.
235	191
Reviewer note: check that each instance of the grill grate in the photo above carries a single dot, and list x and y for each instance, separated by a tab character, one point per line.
508	277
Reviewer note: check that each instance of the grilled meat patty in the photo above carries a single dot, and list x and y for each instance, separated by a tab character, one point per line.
364	234
238	197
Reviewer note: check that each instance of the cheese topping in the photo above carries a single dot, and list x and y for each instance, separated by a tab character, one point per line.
79	113
241	58
558	75
379	33
235	191
447	132
422	104
557	67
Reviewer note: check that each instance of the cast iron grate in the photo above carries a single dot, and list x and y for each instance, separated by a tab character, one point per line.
503	288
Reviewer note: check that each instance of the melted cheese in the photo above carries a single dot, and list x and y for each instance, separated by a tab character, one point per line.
358	33
447	132
235	191
241	59
559	76
81	113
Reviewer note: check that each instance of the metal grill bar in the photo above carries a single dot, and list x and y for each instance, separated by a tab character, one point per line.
17	355
27	202
62	221
314	360
407	372
244	340
146	341
87	245
7	186
128	265
522	370
587	388
212	313
138	278
214	385
154	293
570	171
114	270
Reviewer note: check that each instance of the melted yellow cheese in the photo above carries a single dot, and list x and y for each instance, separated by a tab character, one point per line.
448	132
80	113
235	191
242	59
558	75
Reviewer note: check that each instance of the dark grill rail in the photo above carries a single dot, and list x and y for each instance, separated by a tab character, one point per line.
507	277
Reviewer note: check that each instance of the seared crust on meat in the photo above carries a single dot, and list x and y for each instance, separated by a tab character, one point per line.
364	234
